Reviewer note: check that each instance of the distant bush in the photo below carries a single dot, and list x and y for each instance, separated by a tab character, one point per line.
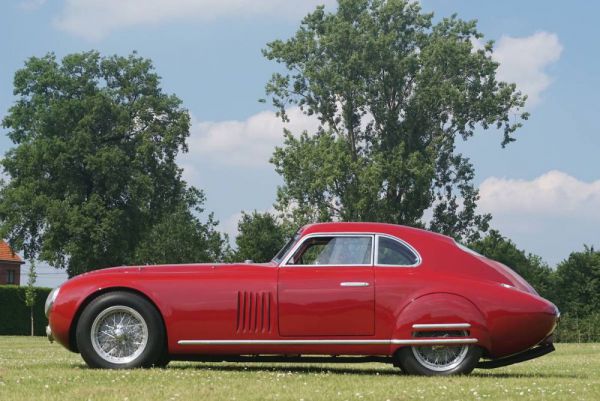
575	329
15	316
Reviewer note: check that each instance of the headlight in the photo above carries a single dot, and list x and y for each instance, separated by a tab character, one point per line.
50	300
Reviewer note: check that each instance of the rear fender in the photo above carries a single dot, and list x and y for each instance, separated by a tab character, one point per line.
442	308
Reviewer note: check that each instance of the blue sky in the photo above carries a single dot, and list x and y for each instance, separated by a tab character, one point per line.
543	190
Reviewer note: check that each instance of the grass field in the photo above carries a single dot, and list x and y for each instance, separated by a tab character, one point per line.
33	369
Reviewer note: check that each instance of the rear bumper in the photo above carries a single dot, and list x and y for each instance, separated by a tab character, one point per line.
532	353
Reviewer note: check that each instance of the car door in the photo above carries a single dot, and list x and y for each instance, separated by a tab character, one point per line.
326	288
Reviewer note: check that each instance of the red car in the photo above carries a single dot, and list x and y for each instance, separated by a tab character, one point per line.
339	292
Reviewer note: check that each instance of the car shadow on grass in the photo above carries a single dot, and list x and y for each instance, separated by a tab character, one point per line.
507	375
359	371
289	368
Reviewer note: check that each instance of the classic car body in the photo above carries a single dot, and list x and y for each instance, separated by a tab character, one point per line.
418	298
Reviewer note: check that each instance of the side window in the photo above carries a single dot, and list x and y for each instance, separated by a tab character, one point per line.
332	250
391	252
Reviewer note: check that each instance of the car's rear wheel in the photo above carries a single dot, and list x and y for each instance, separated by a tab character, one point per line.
120	330
438	360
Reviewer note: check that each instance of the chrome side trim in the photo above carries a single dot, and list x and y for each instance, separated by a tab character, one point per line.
354	284
432	341
441	326
394	341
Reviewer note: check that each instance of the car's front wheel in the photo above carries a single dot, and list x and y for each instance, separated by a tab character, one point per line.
438	360
120	330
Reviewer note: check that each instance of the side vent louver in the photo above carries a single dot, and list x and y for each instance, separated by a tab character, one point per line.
253	312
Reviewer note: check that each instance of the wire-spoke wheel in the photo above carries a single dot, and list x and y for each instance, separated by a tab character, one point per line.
120	330
119	334
438	359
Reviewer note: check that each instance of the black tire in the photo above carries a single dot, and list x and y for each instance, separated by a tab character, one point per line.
409	363
95	335
163	360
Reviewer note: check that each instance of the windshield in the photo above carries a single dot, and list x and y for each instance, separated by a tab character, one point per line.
286	247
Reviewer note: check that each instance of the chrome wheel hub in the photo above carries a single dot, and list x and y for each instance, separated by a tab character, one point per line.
119	334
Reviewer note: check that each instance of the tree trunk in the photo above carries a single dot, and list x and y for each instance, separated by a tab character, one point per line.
31	316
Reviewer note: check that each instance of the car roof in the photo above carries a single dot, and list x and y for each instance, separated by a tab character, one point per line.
371	227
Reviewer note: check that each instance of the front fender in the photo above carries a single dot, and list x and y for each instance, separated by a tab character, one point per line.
442	308
76	293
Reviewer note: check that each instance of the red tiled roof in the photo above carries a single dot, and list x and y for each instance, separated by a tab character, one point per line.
7	254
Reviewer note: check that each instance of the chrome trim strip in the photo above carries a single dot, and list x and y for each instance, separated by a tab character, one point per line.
394	341
442	326
280	342
354	284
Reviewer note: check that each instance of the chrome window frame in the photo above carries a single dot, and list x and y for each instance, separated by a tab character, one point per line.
401	242
293	251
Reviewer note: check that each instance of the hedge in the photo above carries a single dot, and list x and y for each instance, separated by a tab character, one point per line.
577	329
15	316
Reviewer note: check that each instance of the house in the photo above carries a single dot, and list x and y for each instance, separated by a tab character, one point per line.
10	265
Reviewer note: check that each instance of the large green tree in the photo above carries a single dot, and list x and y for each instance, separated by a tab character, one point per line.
393	91
93	168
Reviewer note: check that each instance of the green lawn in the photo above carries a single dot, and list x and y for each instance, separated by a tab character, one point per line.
33	369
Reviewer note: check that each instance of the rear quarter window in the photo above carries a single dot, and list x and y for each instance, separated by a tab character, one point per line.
395	253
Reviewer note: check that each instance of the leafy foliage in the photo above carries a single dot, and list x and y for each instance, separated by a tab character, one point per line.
93	169
531	267
31	294
392	92
181	238
577	283
260	237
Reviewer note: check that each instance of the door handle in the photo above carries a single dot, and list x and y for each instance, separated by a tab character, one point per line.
354	284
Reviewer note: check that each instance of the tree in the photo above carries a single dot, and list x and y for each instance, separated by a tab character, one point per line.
531	267
93	168
260	237
577	285
30	293
392	92
180	237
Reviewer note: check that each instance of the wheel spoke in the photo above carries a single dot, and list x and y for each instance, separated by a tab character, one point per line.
440	358
119	334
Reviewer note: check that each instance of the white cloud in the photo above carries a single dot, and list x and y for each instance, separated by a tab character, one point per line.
95	19
554	194
229	226
552	215
247	143
523	60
